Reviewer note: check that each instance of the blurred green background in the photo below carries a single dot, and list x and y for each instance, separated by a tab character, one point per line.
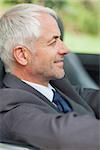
81	19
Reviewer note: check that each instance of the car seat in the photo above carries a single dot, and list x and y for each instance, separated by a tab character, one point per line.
2	72
76	73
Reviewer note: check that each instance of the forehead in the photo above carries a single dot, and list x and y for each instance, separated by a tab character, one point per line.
49	26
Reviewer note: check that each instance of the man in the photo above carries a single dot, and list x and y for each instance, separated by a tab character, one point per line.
33	54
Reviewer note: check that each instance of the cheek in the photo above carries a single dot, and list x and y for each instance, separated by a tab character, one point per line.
46	59
41	62
43	59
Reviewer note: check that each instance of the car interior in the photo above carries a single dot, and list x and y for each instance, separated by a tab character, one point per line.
91	63
77	74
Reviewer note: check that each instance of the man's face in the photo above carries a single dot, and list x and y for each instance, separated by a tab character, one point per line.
47	59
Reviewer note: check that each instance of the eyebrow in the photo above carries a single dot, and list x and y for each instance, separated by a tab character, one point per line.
55	37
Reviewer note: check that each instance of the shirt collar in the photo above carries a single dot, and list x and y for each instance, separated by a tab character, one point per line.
46	91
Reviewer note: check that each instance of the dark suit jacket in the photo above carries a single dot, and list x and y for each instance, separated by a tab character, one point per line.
30	118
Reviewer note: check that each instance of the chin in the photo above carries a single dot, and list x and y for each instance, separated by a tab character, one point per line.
60	75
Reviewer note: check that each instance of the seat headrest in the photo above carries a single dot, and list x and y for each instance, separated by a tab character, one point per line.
2	72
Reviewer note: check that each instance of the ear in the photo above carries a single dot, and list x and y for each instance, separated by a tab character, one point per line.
20	54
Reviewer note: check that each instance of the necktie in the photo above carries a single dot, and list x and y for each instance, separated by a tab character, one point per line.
62	104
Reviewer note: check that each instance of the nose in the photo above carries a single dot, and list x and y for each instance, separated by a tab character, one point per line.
63	50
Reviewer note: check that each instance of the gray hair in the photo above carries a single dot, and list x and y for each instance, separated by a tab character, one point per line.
20	26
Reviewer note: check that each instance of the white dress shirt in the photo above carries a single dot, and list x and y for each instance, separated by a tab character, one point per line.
46	91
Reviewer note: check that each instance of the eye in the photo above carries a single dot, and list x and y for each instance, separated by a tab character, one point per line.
53	41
